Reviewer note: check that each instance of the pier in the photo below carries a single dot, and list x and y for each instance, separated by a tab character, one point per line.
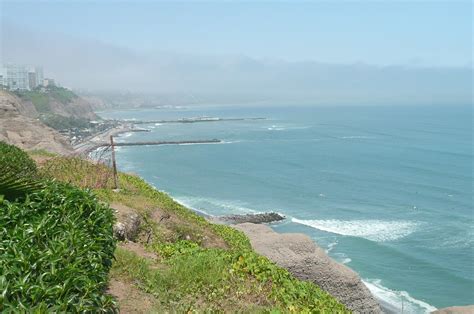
213	141
190	120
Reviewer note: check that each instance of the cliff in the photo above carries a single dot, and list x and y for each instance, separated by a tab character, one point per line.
306	261
19	126
58	101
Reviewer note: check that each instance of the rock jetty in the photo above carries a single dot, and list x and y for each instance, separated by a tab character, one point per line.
259	218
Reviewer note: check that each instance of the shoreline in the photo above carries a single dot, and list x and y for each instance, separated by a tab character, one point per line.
386	306
95	141
384	303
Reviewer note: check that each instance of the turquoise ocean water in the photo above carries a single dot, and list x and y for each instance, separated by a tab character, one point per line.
388	191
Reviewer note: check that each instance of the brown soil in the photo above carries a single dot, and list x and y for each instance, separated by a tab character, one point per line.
129	297
137	249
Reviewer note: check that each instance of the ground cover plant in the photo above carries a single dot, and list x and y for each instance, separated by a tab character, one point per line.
56	246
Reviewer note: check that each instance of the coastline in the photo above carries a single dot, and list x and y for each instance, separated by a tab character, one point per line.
360	300
384	296
93	142
385	304
397	296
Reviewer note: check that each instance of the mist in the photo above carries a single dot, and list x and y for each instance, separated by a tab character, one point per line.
89	64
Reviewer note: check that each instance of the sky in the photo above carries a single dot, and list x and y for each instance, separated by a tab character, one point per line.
357	49
384	32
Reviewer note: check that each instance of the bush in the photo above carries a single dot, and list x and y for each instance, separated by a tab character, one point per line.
16	160
56	249
18	172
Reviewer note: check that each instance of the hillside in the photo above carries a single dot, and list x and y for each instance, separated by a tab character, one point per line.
19	125
58	101
168	259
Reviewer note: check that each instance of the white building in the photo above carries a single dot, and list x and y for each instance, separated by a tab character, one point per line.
20	77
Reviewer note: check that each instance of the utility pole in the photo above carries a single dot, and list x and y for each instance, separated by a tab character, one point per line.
114	165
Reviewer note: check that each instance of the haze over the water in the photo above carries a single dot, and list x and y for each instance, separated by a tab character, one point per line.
386	52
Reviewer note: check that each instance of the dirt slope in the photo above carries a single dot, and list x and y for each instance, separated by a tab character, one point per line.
19	126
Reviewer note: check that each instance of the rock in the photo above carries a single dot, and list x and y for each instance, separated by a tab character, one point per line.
119	231
306	261
468	309
251	218
128	228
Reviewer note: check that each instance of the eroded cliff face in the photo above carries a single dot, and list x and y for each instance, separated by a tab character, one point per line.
77	107
19	126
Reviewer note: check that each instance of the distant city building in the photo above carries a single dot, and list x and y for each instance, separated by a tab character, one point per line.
20	77
39	76
48	82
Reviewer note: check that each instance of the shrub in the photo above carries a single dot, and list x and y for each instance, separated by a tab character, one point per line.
18	172
16	160
56	249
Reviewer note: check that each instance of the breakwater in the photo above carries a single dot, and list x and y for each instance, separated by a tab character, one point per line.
190	120
162	143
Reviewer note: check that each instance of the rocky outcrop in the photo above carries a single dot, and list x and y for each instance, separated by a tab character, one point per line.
468	309
259	218
306	261
128	223
18	126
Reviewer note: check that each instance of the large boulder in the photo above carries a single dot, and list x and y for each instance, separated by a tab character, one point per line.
306	261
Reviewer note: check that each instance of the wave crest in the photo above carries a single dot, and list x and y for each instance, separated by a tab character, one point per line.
374	230
397	301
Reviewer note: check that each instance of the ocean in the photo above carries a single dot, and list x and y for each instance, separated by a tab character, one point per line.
386	190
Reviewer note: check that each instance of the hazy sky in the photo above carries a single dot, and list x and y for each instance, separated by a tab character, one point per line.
288	52
375	32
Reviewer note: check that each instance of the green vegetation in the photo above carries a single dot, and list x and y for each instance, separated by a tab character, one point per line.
61	94
56	245
59	122
199	266
41	98
16	160
18	173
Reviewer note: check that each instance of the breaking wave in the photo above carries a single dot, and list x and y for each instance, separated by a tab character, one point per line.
396	301
374	230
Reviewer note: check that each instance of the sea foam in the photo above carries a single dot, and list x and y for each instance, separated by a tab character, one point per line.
396	301
374	230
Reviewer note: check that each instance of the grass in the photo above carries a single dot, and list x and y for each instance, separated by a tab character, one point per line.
200	266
